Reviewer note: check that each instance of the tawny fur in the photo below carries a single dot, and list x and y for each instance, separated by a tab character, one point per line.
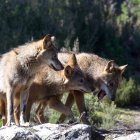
19	66
101	72
48	83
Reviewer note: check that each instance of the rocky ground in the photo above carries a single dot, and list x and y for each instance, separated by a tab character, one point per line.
128	125
48	132
126	128
64	132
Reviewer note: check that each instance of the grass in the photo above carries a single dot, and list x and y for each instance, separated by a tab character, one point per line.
54	116
102	114
127	116
0	123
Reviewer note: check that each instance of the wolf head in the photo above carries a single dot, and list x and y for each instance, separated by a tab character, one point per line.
48	53
75	78
110	79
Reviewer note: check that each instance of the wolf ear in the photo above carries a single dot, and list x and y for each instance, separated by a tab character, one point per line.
122	68
68	71
47	41
72	61
109	67
16	51
52	38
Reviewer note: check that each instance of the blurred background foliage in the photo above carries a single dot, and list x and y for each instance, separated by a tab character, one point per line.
109	28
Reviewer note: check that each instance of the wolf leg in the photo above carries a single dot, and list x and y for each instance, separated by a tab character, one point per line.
9	97
17	108
3	111
40	112
28	109
23	104
56	104
79	98
69	103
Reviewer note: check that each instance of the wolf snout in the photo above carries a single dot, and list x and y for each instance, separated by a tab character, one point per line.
61	67
57	67
92	89
113	98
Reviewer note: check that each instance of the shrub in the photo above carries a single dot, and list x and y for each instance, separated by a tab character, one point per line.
110	115
54	115
128	93
101	114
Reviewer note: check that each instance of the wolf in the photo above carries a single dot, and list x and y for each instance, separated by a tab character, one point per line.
19	66
106	75
103	75
48	83
3	110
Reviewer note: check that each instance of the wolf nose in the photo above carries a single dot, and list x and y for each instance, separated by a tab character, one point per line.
61	67
112	98
92	89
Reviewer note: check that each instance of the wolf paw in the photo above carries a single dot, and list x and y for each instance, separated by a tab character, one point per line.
25	124
73	121
9	123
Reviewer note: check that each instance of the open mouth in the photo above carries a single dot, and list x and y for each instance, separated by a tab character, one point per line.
101	94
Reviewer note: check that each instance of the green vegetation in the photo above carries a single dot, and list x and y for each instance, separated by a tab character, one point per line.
126	116
0	122
108	28
53	116
105	114
128	93
101	114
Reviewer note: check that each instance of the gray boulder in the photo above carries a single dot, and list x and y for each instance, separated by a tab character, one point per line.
48	132
134	136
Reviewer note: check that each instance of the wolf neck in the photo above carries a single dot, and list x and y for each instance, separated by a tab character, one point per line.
54	77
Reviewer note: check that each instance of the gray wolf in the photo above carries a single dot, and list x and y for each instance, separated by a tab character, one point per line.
19	66
106	75
50	83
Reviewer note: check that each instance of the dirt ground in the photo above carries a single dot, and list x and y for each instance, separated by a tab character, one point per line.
128	123
130	118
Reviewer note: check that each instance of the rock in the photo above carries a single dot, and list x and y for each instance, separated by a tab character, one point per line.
16	133
134	136
49	132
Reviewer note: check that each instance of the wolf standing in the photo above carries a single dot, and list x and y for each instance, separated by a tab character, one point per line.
106	77
101	74
19	66
51	83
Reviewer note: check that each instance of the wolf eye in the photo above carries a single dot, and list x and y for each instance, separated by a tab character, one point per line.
81	80
54	56
111	84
